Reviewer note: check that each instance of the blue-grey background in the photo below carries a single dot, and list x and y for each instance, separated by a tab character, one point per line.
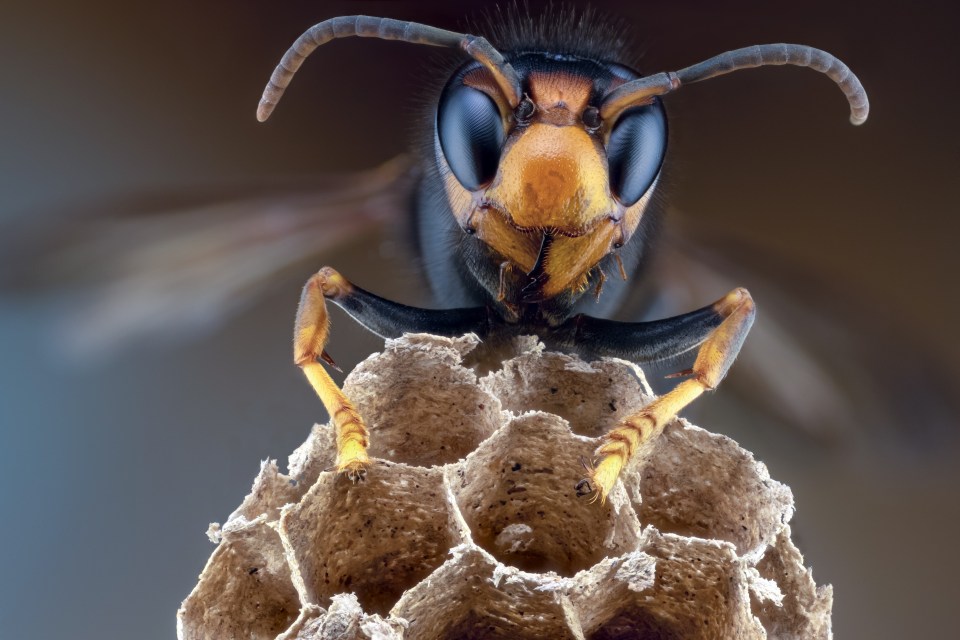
110	470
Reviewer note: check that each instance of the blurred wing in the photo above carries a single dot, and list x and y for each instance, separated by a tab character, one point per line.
818	358
131	276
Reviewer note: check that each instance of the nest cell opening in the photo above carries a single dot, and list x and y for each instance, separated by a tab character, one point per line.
518	495
593	397
471	596
674	587
422	409
375	539
245	590
731	498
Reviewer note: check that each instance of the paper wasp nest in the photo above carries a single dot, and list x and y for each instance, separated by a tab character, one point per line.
468	524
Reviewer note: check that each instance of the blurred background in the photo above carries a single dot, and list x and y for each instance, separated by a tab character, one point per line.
112	464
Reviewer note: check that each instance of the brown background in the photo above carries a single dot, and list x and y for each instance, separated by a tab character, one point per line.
110	471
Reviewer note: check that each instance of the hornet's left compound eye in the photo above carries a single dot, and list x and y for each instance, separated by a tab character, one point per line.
471	134
635	151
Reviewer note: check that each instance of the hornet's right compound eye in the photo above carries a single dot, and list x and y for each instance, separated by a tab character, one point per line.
471	135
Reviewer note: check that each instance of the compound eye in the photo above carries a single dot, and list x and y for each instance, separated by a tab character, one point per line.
471	135
635	151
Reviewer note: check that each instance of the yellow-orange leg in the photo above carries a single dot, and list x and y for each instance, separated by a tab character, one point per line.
714	358
311	332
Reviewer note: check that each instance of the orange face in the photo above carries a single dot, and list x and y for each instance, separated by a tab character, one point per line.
552	180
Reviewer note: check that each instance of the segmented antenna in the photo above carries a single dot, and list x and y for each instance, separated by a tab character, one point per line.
385	29
642	91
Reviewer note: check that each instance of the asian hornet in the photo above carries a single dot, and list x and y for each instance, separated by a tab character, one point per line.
536	189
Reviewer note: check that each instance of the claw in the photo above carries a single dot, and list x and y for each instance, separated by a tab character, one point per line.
357	475
584	488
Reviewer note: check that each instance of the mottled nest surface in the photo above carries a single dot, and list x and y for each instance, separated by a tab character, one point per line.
468	524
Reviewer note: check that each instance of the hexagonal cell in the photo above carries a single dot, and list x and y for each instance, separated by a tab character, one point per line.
674	587
344	620
421	405
730	496
517	493
244	591
472	596
803	609
376	538
593	396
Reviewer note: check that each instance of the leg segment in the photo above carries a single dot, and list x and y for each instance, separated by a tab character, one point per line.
311	331
719	347
383	317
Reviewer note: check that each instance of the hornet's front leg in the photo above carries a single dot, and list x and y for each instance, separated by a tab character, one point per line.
718	330
311	331
383	317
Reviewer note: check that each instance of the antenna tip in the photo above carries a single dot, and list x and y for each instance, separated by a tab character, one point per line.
264	109
859	108
857	119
